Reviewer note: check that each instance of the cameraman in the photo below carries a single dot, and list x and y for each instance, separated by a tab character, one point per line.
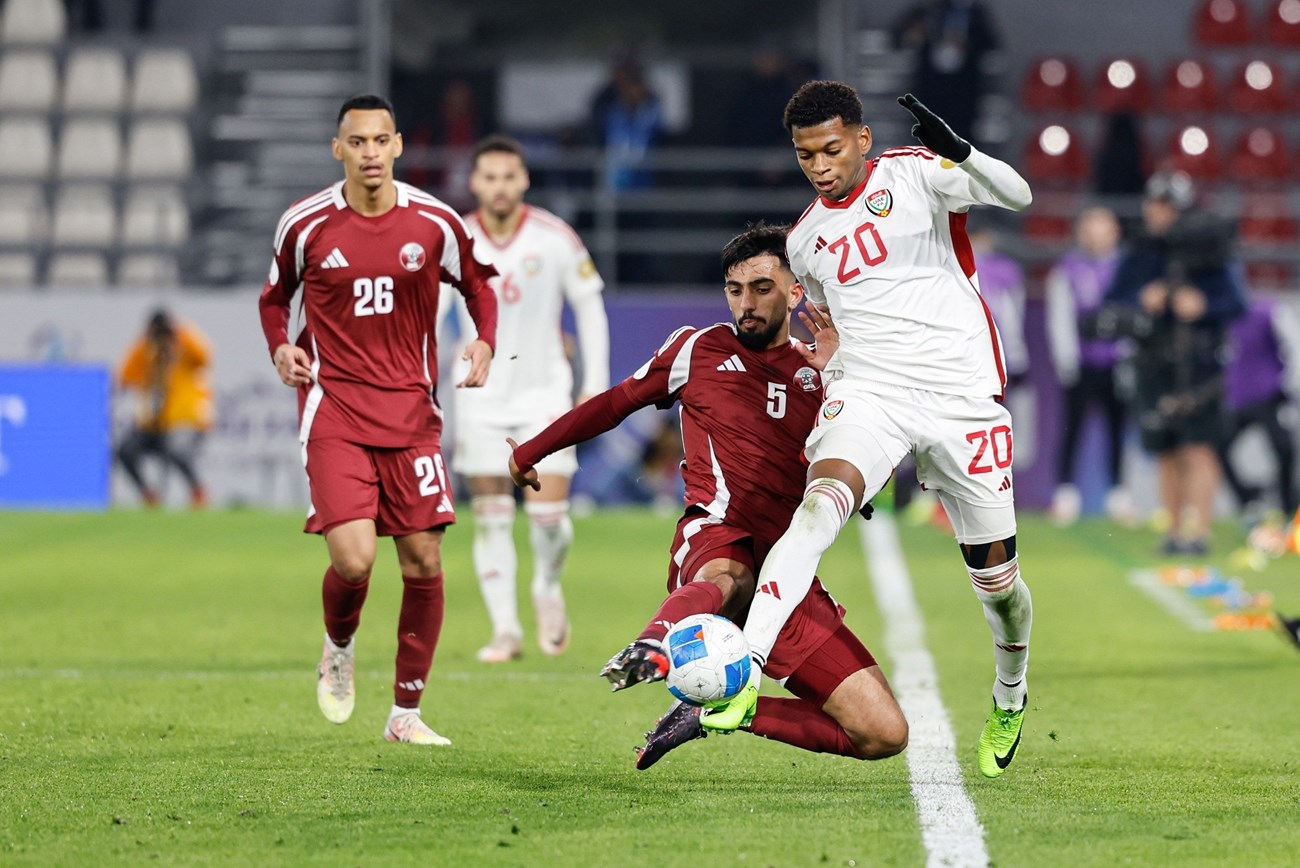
1174	294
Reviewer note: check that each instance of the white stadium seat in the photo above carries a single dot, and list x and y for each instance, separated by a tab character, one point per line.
25	148
29	81
159	150
17	270
164	82
94	80
24	219
155	217
40	22
77	271
90	148
148	271
84	217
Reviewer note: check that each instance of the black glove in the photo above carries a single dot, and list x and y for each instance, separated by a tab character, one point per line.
867	510
931	131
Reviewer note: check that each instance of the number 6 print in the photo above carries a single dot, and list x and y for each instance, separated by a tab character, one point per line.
996	440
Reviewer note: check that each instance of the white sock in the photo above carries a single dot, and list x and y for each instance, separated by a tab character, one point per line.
1010	612
788	572
551	532
495	561
398	711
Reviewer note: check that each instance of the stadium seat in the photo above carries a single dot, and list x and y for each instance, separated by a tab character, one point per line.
1258	87
1222	23
1190	87
1270	274
164	82
90	148
148	271
159	150
1046	228
77	271
1122	86
26	150
1052	84
28	81
1193	149
35	22
94	80
1055	156
1266	219
1260	155
84	217
155	217
24	220
1282	26
17	271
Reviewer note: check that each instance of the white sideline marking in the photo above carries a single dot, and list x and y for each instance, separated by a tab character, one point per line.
1171	599
306	673
950	830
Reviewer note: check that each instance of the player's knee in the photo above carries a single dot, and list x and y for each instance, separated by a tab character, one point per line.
981	556
425	563
353	567
886	737
493	513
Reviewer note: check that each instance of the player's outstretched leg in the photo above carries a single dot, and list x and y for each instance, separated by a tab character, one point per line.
643	660
550	530
418	627
495	563
680	725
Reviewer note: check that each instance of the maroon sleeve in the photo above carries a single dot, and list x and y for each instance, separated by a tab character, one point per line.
481	302
595	416
469	271
278	291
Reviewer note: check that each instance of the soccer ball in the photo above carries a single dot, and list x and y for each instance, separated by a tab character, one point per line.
708	660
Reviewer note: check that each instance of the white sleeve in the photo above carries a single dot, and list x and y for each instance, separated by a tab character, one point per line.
1062	327
593	342
811	287
980	180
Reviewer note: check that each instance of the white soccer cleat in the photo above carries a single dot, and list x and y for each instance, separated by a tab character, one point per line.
407	727
336	684
503	648
552	623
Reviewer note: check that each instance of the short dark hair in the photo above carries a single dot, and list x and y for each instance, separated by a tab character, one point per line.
498	144
367	102
759	239
820	101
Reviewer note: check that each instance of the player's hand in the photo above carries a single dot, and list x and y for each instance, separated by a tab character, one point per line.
933	132
1153	297
524	479
292	364
1187	303
817	319
479	356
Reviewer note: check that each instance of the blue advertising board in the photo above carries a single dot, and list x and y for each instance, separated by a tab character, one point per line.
55	436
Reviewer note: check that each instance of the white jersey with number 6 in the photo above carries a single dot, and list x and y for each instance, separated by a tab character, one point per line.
893	263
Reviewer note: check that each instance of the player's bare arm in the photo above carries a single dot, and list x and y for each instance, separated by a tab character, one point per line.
479	356
293	365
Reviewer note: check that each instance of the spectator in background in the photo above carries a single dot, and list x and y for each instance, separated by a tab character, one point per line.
168	365
1254	389
1175	293
756	111
627	121
1120	166
950	39
1085	366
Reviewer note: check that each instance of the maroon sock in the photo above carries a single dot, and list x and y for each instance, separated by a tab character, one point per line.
418	627
800	723
693	598
343	601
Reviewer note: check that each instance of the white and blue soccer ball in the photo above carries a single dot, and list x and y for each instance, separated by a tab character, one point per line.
708	660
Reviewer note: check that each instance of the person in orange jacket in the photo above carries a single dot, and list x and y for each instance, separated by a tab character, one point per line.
168	365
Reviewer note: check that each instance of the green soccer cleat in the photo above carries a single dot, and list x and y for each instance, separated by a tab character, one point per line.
737	711
1000	739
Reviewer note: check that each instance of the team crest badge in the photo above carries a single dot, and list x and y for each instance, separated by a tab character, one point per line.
532	264
806	378
880	203
412	256
832	409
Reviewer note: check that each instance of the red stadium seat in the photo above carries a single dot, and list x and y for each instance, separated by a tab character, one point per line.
1221	23
1190	87
1122	86
1056	155
1270	274
1260	155
1046	228
1283	24
1194	151
1052	84
1266	219
1258	87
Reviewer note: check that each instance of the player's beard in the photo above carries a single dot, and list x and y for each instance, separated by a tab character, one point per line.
760	338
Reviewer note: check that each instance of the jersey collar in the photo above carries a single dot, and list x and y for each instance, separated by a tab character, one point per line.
854	194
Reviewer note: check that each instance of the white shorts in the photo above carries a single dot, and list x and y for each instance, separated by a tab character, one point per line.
962	447
481	448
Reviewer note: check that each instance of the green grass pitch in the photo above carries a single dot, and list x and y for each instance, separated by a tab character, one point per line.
157	703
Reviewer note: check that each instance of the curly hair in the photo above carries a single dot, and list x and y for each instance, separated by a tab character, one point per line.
820	101
759	239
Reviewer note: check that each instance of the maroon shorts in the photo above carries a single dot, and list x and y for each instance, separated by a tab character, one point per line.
404	490
817	623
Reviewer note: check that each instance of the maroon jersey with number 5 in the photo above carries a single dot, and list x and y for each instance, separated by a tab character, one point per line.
364	293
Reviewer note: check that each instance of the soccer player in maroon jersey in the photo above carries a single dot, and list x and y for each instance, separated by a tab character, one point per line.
749	394
361	262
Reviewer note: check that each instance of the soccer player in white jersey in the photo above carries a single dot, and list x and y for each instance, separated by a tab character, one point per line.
543	264
919	370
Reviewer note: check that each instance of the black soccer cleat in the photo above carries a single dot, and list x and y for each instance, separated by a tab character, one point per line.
680	725
643	660
1290	627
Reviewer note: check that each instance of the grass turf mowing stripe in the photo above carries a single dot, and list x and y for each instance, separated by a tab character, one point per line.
950	830
1171	599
